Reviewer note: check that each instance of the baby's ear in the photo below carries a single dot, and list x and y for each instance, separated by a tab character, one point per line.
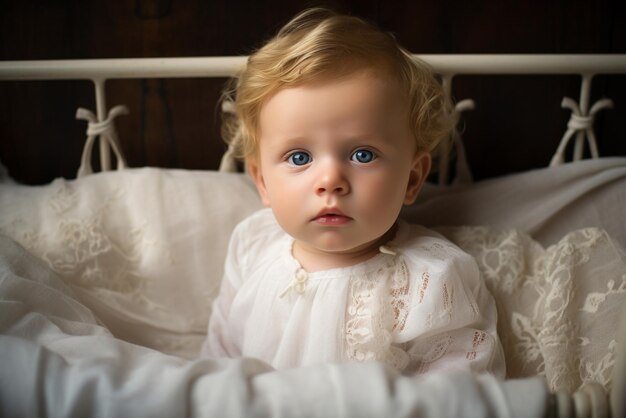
254	169
419	171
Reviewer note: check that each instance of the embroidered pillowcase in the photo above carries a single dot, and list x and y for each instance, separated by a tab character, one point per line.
143	248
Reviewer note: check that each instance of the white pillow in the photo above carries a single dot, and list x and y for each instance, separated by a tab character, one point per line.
144	248
547	203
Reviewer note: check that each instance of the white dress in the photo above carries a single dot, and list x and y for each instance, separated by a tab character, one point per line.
419	305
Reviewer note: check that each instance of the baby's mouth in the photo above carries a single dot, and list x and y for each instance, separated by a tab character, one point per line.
332	217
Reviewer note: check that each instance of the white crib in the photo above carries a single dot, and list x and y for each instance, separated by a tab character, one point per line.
104	312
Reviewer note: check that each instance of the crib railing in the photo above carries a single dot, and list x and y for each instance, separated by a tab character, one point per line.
99	71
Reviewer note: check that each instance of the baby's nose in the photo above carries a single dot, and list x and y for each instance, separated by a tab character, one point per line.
332	179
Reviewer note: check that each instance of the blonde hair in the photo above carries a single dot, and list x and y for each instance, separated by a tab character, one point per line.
318	45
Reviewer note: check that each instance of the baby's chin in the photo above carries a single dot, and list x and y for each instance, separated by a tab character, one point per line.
356	250
344	240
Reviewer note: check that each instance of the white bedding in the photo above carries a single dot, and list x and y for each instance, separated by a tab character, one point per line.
106	322
58	361
546	203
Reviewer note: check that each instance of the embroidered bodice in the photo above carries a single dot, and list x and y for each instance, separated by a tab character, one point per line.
418	305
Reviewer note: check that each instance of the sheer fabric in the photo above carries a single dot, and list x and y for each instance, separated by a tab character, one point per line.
419	306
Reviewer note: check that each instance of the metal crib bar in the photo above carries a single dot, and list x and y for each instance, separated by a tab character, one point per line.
447	65
101	112
585	93
105	69
444	157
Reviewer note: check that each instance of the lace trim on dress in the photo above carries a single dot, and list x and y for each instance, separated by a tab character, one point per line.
377	305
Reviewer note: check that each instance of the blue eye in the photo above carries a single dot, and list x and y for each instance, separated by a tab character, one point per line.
299	158
363	156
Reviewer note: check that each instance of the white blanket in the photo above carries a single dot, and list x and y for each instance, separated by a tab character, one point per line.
58	361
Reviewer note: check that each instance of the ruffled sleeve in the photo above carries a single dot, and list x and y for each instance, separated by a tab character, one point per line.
450	320
220	341
256	235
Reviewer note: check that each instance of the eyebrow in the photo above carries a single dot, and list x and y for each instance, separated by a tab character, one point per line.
281	144
293	139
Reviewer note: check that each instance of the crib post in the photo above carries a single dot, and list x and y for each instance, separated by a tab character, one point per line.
444	147
101	112
585	93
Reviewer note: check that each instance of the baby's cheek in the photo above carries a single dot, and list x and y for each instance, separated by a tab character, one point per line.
392	185
384	191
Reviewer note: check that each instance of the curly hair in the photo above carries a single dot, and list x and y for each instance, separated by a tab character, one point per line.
319	45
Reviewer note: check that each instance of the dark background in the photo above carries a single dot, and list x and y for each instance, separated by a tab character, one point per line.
516	126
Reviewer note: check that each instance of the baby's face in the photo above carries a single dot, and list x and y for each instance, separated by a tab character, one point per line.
337	162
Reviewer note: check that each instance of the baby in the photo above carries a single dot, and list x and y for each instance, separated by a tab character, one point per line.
336	123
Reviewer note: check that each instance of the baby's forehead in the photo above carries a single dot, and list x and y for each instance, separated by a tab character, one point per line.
347	106
379	72
367	79
357	88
